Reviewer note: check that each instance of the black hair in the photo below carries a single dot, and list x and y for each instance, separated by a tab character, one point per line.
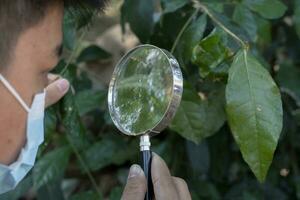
16	16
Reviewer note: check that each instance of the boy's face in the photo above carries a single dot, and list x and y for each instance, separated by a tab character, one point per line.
37	51
35	54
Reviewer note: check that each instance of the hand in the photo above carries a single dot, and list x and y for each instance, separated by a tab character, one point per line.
56	89
165	186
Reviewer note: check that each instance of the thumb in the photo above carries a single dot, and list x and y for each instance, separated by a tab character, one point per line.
136	186
55	91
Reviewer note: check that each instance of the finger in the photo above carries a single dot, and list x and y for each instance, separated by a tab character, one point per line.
182	189
52	78
55	91
136	186
163	185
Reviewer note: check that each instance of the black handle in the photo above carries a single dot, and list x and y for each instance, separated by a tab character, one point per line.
146	157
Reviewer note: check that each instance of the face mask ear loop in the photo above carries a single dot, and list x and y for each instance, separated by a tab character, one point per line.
14	93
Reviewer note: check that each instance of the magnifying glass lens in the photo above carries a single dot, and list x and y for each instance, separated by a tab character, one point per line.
143	90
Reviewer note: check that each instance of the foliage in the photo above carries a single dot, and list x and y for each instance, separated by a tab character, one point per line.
240	60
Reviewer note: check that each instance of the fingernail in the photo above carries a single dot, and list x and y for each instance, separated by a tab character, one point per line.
63	85
135	170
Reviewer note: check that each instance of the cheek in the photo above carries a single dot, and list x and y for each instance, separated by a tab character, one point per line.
43	80
48	63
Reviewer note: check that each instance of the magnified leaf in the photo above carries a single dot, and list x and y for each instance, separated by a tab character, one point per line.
254	112
270	9
51	166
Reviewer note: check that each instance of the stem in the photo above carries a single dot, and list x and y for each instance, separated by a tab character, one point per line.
85	167
198	5
183	29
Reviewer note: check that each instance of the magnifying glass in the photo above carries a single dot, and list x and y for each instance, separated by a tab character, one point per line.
144	94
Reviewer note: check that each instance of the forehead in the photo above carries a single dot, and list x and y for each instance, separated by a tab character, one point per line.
49	29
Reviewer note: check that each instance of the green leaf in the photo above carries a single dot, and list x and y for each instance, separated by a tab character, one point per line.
270	9
264	34
139	15
116	193
198	118
210	53
93	53
71	120
171	6
200	165
233	27
50	121
296	115
69	32
51	191
89	100
110	150
296	17
191	36
288	77
244	17
254	111
51	166
88	195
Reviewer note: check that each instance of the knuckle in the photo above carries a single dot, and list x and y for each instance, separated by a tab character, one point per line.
180	181
135	186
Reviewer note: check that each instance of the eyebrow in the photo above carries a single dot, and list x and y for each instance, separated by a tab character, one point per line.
59	49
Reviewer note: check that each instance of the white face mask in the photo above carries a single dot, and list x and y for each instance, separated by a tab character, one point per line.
11	175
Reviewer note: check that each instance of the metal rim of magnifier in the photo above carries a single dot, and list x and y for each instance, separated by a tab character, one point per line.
173	104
